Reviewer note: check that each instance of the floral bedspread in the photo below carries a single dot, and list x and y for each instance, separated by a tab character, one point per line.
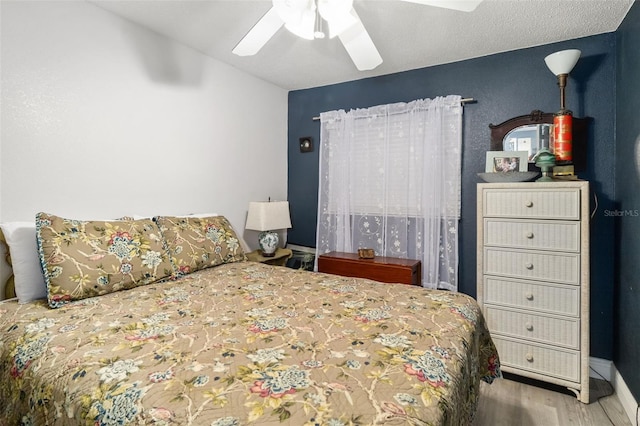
247	343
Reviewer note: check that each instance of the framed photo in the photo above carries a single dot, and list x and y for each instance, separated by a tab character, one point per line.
507	161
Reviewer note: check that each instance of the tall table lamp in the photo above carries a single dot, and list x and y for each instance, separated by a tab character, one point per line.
268	217
561	63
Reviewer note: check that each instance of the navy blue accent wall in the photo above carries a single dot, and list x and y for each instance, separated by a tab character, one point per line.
627	312
505	85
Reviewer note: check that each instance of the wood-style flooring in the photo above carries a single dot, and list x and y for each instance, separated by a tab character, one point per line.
513	401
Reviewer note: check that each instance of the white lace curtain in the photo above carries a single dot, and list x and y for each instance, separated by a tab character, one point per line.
390	180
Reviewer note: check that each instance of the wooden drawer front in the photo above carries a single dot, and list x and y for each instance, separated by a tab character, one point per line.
543	297
540	328
556	267
545	235
557	362
532	203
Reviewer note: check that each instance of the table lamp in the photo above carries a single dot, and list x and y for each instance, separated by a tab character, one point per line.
268	217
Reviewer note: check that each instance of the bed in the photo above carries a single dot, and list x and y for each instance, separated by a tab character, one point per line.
209	338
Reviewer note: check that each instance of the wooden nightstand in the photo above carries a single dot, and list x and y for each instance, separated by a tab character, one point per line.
384	269
279	259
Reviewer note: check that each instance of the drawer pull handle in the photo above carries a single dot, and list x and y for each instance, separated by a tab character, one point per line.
529	204
530	235
529	357
529	296
529	327
528	266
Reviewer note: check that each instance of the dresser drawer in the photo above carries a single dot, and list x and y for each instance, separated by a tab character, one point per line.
556	267
542	297
549	361
542	235
540	328
560	203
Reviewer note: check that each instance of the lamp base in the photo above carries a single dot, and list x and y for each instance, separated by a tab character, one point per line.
545	177
268	241
563	136
545	160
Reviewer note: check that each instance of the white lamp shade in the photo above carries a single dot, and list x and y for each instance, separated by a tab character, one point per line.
268	216
562	62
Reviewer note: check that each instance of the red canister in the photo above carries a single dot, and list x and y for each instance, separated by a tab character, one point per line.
563	136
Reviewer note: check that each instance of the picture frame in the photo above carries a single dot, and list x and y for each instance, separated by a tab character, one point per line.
507	161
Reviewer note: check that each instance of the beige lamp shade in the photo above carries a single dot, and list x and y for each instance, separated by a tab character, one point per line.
268	216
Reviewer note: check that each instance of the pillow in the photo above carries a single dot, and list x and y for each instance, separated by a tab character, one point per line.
27	273
196	243
83	259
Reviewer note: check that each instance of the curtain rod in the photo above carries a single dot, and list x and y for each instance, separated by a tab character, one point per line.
462	102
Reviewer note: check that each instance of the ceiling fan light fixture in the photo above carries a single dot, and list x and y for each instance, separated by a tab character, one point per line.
292	11
299	16
338	15
329	9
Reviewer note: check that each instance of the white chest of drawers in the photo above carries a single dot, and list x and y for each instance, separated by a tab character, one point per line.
533	278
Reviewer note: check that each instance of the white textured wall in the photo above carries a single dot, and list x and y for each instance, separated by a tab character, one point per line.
102	118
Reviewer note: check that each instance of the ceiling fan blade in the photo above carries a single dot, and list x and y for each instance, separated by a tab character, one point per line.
461	5
260	34
359	45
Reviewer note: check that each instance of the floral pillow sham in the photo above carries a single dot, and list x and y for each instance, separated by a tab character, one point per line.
196	243
83	259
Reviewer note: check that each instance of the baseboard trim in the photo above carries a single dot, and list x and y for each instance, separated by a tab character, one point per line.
605	369
625	396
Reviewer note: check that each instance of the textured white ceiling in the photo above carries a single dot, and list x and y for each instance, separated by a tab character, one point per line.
407	35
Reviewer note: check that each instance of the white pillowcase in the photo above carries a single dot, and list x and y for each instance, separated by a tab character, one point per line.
27	272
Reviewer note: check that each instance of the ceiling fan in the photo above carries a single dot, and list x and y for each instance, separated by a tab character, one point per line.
306	18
